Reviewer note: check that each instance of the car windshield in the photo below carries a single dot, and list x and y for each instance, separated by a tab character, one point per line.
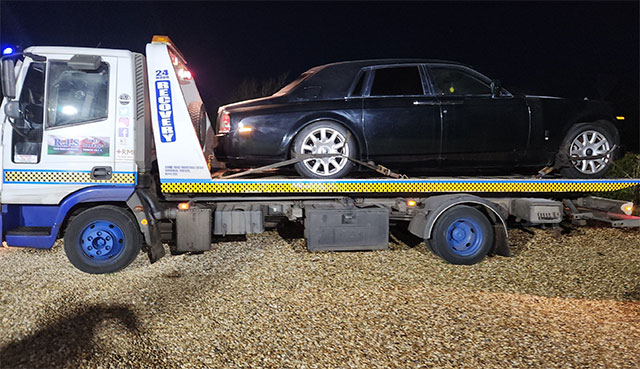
288	88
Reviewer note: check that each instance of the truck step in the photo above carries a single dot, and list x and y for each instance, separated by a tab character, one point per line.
29	231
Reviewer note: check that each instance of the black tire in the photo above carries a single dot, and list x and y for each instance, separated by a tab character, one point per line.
607	136
198	116
326	168
115	240
462	235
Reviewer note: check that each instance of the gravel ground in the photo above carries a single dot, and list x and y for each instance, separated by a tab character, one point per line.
561	301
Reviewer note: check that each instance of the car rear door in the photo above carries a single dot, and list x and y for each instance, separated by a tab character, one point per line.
479	130
401	117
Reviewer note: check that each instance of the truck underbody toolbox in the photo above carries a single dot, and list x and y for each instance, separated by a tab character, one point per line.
338	227
193	228
238	219
537	211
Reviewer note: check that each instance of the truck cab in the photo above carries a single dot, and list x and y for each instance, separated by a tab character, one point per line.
77	132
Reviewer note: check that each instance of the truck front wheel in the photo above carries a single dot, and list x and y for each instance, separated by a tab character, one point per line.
104	239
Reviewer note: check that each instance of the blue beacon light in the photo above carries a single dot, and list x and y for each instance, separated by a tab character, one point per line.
7	51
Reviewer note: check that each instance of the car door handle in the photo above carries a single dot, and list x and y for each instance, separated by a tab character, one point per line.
101	173
432	103
457	102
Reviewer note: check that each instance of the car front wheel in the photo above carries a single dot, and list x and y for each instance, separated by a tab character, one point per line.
324	138
593	142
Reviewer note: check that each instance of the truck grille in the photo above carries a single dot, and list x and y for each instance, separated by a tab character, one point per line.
139	64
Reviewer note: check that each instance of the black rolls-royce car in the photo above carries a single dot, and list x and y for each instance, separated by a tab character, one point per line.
415	115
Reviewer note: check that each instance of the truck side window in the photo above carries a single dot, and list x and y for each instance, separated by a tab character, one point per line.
76	96
27	137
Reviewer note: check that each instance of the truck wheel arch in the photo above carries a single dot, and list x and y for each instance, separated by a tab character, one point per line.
423	223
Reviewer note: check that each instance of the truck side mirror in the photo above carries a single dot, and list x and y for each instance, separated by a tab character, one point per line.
496	88
12	109
8	79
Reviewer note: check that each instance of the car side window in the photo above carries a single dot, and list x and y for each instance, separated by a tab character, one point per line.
397	81
76	96
357	89
449	81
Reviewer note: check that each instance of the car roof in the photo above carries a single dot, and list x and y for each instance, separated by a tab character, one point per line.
376	62
336	78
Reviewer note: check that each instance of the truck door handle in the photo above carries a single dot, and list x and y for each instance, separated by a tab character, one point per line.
432	103
101	173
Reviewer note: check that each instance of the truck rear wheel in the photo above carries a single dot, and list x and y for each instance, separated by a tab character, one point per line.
104	239
462	235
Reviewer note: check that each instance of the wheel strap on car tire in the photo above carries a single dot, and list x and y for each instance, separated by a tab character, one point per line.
565	161
302	157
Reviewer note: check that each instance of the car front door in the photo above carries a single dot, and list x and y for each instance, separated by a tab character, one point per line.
479	130
401	117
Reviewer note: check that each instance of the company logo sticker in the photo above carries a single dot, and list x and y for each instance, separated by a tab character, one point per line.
85	146
165	111
124	99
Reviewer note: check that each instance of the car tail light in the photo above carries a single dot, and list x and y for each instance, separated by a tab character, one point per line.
184	74
225	123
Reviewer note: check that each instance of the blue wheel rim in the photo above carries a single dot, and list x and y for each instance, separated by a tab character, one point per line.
101	241
464	236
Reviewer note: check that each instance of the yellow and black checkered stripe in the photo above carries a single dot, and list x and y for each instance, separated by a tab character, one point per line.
66	177
396	186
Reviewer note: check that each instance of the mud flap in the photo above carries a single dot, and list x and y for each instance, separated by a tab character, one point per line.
501	241
148	227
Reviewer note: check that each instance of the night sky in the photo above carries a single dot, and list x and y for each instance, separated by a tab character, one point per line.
572	49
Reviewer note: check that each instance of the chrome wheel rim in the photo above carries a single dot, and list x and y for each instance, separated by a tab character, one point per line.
590	143
325	141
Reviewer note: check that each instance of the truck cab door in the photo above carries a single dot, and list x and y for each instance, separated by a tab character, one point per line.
64	142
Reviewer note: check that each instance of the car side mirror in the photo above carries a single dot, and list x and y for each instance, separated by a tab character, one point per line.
496	88
12	110
8	79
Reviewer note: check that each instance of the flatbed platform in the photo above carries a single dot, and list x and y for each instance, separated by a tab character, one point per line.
377	185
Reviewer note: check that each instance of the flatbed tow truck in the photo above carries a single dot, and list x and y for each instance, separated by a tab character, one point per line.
109	149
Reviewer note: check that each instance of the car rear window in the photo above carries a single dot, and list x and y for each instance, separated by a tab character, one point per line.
396	81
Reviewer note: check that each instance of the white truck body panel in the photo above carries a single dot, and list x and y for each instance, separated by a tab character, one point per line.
180	156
